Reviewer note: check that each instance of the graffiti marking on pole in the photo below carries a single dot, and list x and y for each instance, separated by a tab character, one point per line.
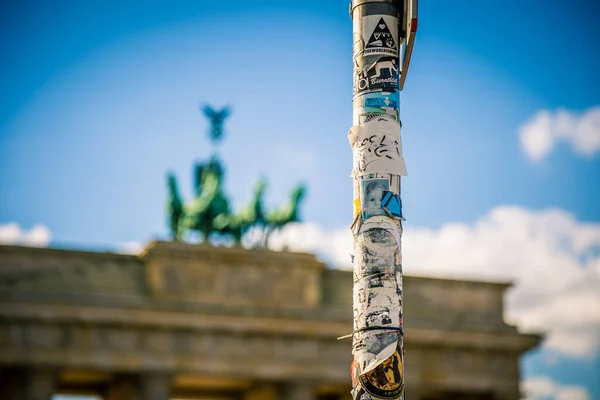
377	148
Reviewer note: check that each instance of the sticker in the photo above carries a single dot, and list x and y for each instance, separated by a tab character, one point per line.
381	281
359	393
373	348
367	106
381	297
367	345
356	207
372	196
371	176
394	228
399	279
364	118
358	47
354	372
380	357
392	205
377	148
382	317
395	183
380	75
378	32
386	380
377	308
365	297
379	102
375	253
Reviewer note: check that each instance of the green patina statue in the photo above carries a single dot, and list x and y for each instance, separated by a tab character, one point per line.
209	212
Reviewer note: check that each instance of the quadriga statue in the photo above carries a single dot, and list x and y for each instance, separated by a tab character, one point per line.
209	212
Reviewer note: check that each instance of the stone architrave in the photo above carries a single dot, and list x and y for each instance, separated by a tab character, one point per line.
130	327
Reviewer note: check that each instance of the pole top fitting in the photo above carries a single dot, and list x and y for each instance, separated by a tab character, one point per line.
355	3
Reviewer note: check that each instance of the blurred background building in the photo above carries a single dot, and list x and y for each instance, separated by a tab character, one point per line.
204	322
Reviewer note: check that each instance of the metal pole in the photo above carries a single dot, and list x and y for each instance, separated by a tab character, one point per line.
381	36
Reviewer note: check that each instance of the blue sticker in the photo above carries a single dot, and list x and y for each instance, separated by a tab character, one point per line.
392	204
371	105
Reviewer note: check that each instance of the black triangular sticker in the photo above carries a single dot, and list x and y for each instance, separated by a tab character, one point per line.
381	37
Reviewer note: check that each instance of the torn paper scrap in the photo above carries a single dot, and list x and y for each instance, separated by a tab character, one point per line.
383	222
376	252
377	148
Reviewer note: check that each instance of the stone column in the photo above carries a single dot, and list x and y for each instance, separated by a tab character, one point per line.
155	386
507	395
28	383
12	384
413	392
123	387
145	386
298	390
345	396
262	391
41	383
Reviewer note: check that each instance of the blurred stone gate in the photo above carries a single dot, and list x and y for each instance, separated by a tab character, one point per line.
202	322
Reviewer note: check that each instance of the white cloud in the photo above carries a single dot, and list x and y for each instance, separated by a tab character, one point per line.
553	259
334	247
38	236
543	388
540	133
130	247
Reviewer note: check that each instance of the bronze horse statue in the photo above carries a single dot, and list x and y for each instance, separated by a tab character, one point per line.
209	211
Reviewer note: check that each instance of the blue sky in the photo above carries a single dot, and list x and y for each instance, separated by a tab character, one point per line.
101	98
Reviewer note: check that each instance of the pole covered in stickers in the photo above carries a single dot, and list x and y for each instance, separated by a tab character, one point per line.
383	37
